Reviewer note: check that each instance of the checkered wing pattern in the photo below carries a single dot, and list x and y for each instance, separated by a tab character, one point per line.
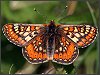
70	38
64	42
35	52
81	35
31	38
21	34
65	52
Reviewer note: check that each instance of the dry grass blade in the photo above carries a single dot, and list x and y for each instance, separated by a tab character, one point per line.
27	69
10	69
50	69
71	7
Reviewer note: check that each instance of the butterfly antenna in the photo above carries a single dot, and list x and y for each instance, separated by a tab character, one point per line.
61	13
10	69
41	14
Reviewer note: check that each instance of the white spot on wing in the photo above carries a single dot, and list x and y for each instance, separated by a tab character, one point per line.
87	30
37	28
17	32
87	26
65	60
93	28
82	29
56	51
39	42
75	39
40	48
15	24
35	59
60	48
65	48
10	30
60	59
15	27
67	42
25	34
66	28
77	34
82	34
34	41
11	33
91	32
21	33
75	30
37	49
35	46
33	34
28	28
61	43
85	33
28	38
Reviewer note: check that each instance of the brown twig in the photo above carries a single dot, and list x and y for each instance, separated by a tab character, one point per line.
71	7
50	69
27	69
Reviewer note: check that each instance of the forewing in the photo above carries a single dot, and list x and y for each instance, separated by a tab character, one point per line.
35	52
65	51
82	35
21	34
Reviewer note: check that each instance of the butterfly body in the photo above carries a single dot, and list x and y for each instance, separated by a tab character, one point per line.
43	42
51	32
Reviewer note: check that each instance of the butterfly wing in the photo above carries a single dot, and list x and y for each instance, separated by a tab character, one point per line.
65	52
35	52
68	40
21	34
31	37
82	35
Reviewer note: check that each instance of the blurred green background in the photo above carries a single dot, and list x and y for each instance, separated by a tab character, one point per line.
77	12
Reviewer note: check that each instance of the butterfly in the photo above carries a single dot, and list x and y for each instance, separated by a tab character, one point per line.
50	42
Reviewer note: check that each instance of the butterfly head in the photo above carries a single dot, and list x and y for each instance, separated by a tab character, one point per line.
52	22
51	27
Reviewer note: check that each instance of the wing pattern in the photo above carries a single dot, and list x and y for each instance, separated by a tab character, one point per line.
82	35
20	34
36	52
66	51
36	40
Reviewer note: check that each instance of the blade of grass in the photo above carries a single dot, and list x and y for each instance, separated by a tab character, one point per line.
95	23
92	13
